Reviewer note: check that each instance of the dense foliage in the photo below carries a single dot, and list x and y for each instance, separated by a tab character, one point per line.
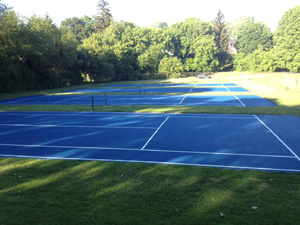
36	54
222	36
260	50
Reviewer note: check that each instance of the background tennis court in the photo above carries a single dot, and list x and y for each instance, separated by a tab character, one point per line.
173	85
144	89
227	141
173	100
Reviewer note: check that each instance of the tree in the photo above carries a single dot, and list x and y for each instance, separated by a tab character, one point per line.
205	55
161	25
236	26
150	59
12	47
251	35
287	41
81	27
183	35
222	32
170	65
103	18
222	36
258	61
3	9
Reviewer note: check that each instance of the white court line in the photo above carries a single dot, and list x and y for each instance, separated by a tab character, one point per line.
239	100
148	150
155	132
103	90
24	99
118	89
51	103
234	95
191	89
182	100
68	99
152	162
75	126
125	114
278	137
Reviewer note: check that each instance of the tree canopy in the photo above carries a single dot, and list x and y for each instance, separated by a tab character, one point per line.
251	35
287	41
104	17
36	54
222	36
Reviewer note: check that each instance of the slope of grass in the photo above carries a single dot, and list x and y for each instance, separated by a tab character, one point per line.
76	192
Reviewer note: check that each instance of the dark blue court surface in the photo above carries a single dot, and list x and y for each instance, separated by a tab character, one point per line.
173	100
143	89
269	143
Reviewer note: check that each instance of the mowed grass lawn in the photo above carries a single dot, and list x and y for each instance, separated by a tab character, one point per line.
87	192
79	192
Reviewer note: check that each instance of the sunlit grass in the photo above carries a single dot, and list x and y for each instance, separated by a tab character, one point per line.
79	192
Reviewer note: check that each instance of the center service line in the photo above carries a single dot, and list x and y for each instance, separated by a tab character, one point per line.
155	133
234	95
182	100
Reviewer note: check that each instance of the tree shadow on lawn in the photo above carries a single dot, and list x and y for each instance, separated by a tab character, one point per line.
88	192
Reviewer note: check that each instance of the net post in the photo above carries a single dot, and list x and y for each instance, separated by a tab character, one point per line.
93	108
105	100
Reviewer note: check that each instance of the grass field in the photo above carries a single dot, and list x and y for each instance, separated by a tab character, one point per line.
76	192
80	192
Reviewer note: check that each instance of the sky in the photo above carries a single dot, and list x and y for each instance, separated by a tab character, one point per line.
148	12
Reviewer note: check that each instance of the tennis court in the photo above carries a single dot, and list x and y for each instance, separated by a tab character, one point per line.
163	88
173	85
172	100
145	89
269	143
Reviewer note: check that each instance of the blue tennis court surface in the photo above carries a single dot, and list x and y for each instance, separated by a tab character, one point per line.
172	85
269	143
143	89
173	100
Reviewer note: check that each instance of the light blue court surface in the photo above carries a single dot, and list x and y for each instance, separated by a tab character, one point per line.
145	90
172	100
269	143
172	85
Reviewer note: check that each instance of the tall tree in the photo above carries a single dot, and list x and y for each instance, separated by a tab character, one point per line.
205	55
181	37
81	27
221	31
104	17
222	35
3	9
287	41
251	35
12	33
236	26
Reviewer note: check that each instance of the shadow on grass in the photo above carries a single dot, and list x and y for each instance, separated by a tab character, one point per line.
84	192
